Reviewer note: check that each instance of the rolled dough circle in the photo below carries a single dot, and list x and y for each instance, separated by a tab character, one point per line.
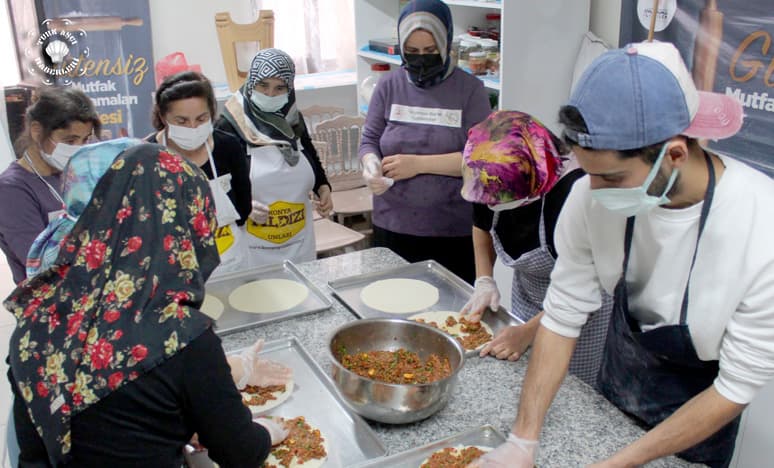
457	450
399	295
313	463
268	296
280	398
439	317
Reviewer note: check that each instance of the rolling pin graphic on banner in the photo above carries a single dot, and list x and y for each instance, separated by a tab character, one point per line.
93	23
708	39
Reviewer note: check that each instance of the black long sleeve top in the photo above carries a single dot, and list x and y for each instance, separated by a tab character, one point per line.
228	154
148	421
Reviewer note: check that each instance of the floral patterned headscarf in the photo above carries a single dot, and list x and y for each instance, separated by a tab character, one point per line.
121	297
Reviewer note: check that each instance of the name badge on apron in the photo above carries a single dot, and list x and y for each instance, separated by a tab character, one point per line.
224	209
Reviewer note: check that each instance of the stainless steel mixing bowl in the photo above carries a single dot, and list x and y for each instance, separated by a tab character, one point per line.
385	402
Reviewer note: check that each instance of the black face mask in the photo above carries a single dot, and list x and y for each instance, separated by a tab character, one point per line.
423	68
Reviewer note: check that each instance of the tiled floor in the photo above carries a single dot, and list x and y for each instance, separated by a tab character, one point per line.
7	324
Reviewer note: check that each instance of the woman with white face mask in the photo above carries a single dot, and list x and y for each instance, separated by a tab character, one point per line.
57	125
183	115
284	166
518	175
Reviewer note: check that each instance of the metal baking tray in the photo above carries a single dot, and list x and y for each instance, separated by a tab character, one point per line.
452	290
350	439
486	436
233	320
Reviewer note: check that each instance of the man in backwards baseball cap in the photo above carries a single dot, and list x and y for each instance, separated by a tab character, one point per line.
681	237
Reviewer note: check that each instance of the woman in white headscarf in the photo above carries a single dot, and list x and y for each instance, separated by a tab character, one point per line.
284	166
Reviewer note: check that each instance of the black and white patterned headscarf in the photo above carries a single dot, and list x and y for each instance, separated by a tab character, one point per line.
270	63
286	124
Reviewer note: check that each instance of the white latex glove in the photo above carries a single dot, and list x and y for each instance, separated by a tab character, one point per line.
249	369
372	173
260	213
484	295
514	453
277	431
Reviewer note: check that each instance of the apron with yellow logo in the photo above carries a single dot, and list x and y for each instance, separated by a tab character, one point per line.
288	233
229	239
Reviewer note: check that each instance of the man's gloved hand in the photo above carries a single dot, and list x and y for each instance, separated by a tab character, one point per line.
249	369
372	173
277	430
484	295
514	453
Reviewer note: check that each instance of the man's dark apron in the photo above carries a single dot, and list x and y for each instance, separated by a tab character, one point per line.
651	374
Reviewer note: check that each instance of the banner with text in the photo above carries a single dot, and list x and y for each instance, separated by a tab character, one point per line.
727	45
105	49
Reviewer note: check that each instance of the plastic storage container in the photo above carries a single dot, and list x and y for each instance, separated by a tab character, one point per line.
466	47
492	51
369	83
477	62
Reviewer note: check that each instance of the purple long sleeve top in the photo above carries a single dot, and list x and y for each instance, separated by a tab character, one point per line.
405	119
25	203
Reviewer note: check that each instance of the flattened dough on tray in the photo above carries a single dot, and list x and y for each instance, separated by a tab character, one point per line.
440	316
279	398
268	296
399	295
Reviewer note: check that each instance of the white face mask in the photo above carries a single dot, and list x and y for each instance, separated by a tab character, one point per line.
61	154
632	201
269	103
188	138
513	204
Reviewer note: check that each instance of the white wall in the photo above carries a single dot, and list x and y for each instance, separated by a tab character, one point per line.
188	26
605	20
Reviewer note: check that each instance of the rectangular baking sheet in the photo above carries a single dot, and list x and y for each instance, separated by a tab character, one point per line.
486	436
453	293
233	320
350	439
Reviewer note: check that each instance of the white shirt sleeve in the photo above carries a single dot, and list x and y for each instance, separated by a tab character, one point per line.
574	292
747	348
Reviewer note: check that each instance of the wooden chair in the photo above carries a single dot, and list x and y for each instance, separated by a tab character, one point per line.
337	141
230	33
316	114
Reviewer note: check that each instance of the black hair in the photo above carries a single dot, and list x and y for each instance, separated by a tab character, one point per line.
182	85
571	118
56	108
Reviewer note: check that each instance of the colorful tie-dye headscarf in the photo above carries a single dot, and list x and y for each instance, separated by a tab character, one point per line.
509	156
83	171
121	297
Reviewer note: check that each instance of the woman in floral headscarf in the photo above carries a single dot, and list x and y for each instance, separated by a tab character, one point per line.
111	362
518	174
284	166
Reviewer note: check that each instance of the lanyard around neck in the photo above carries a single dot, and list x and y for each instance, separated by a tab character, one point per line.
50	188
206	146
